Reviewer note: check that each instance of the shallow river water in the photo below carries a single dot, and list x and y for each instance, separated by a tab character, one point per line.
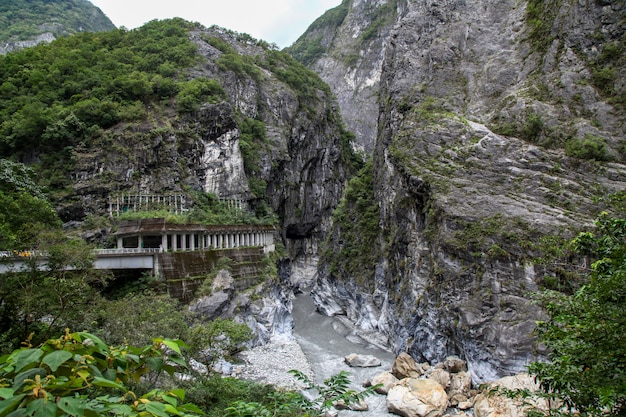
327	340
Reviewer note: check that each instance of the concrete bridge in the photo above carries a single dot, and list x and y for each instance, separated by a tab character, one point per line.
166	249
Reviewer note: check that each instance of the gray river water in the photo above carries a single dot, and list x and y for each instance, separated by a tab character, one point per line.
327	340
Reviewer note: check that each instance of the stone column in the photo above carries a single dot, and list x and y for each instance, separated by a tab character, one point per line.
164	242
120	243
192	241
174	241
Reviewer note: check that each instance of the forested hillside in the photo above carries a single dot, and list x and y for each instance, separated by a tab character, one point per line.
25	23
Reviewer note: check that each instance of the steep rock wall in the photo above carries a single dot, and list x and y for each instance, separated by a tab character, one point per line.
346	47
477	113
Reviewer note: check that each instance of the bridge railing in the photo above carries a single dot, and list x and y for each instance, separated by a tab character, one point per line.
22	254
126	250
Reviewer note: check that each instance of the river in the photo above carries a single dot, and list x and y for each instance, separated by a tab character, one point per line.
327	340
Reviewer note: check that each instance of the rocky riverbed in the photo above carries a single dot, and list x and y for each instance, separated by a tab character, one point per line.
271	363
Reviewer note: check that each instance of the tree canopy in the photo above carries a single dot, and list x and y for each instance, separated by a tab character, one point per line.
586	333
26	19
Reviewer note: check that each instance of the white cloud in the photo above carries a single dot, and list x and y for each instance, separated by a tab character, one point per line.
277	21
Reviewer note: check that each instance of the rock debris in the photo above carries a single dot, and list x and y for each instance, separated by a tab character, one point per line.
271	363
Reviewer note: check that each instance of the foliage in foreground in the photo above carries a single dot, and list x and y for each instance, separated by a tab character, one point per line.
79	375
334	390
586	333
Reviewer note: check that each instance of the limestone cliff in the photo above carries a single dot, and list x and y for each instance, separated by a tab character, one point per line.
501	123
346	46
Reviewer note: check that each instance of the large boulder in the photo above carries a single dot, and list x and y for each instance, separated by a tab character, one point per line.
413	397
459	389
386	380
454	364
210	307
490	404
362	361
406	367
441	376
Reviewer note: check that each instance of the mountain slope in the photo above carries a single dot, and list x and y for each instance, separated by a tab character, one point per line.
500	135
346	47
25	23
172	108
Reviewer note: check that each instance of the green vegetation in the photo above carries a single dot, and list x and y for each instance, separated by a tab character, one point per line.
26	19
495	236
380	17
80	375
585	334
540	16
60	96
305	82
586	373
24	211
198	91
287	404
253	139
308	48
590	147
356	231
532	129
605	72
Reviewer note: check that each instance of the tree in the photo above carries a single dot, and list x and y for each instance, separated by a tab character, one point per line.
586	333
54	291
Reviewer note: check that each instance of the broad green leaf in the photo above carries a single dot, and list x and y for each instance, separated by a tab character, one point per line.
20	412
41	407
121	409
102	382
178	360
72	405
8	405
180	393
170	399
6	393
102	347
134	358
109	374
190	408
157	409
27	357
155	363
56	359
173	344
19	379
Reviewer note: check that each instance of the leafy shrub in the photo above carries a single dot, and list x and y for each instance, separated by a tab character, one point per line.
585	330
589	147
287	404
198	91
357	218
79	375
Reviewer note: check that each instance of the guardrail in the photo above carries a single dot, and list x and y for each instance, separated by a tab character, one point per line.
126	250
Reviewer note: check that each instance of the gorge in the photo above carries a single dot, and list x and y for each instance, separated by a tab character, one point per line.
479	137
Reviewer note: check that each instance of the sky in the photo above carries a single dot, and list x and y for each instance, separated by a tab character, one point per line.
275	21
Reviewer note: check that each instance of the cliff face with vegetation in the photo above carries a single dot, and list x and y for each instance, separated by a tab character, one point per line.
26	23
500	134
174	108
